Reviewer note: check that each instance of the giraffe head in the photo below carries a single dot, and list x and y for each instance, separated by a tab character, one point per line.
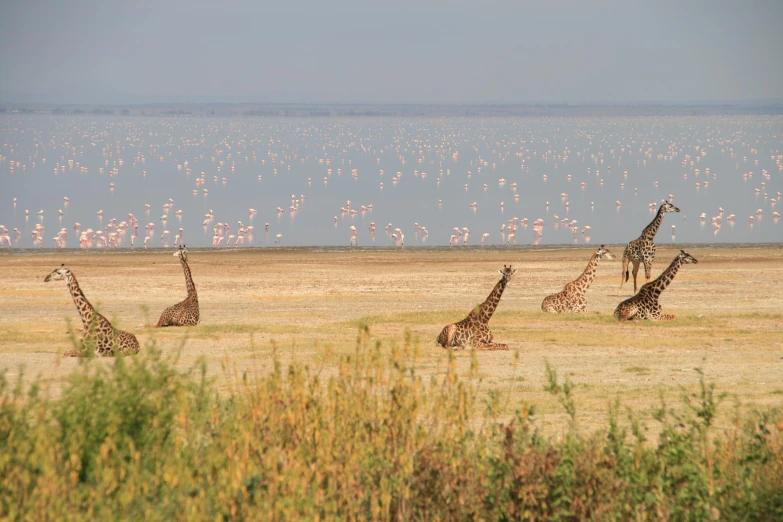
507	272
58	274
603	253
668	207
686	258
182	253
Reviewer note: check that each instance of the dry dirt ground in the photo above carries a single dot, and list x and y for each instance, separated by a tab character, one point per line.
309	304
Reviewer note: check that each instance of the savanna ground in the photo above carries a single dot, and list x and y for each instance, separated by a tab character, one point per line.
307	306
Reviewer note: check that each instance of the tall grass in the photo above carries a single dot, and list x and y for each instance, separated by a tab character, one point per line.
139	440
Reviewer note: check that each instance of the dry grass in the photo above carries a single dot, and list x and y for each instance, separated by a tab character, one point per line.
307	306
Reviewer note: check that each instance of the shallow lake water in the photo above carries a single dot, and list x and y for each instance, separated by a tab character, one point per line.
589	180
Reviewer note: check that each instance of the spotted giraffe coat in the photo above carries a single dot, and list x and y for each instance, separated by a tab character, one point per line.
573	297
474	329
99	334
186	312
644	305
642	249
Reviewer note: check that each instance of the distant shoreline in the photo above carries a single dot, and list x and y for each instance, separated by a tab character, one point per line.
30	252
327	110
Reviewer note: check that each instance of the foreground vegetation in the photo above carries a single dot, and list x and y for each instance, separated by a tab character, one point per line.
370	440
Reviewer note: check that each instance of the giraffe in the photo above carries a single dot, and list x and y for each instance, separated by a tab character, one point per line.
644	305
474	329
107	339
572	297
642	249
186	312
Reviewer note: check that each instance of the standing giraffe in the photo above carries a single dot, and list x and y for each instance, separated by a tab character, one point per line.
572	297
644	305
108	340
642	250
184	313
474	329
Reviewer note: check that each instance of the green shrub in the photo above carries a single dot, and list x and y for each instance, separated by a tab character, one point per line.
137	439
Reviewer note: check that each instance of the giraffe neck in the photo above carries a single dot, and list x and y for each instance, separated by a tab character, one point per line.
651	229
660	284
188	279
488	307
86	311
588	275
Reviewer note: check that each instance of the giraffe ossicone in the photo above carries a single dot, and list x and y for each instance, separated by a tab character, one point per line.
99	334
186	312
644	305
474	329
572	298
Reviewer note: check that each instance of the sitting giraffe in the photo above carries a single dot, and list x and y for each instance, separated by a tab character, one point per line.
572	298
642	249
108	340
186	312
474	329
644	305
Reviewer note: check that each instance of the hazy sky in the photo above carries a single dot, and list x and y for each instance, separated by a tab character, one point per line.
445	51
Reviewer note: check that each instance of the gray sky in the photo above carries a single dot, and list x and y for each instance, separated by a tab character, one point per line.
442	51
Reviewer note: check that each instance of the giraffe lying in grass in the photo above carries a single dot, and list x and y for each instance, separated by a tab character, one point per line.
474	329
572	297
186	312
644	305
98	332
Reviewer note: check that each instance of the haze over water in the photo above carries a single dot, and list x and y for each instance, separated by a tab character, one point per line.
317	165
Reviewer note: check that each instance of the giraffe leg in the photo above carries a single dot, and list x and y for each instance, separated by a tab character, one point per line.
484	341
623	274
491	346
635	272
644	313
657	315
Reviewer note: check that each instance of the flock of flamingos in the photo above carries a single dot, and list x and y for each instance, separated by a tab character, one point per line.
106	341
283	155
